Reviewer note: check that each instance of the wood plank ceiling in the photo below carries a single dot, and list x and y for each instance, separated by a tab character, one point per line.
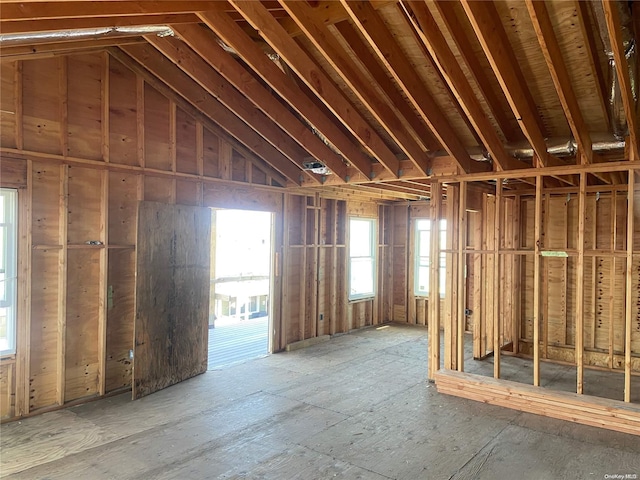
384	94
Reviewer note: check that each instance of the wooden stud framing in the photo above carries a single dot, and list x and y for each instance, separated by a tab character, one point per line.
63	95
105	102
612	281
434	280
497	330
103	285
579	318
536	281
451	294
23	354
140	119
629	287
462	268
62	283
17	94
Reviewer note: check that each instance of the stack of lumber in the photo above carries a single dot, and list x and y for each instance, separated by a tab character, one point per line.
584	409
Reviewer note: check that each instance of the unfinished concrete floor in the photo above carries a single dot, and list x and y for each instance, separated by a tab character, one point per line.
358	406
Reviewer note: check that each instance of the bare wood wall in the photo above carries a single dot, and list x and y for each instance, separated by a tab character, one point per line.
85	139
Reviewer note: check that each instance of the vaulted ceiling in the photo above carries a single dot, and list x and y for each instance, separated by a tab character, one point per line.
383	93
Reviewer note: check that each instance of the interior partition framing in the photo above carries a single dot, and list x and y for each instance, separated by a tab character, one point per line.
563	266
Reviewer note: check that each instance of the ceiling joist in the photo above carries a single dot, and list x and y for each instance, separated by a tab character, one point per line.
339	59
203	43
390	54
318	81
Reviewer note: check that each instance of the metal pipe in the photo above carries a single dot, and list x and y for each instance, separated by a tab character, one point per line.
82	34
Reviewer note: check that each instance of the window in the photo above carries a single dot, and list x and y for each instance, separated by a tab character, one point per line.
8	269
423	252
362	258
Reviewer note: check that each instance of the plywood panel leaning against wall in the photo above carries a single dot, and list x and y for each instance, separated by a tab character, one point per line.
87	129
172	295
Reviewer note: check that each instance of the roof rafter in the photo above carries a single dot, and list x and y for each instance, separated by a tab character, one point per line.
338	58
446	62
273	33
447	12
225	93
504	63
203	43
286	87
612	18
553	56
370	63
373	29
582	19
183	85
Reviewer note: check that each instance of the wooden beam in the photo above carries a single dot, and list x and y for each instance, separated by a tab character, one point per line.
61	24
445	60
495	43
30	52
286	87
497	330
537	229
317	81
418	128
329	12
614	27
550	171
579	315
371	26
203	43
561	80
434	280
629	287
462	268
339	59
582	19
214	111
194	66
74	9
447	10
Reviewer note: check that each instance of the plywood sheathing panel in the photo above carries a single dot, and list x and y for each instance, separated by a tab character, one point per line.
186	137
123	127
393	18
120	317
7	396
84	206
82	330
172	296
157	152
574	53
8	97
123	208
42	106
84	106
44	329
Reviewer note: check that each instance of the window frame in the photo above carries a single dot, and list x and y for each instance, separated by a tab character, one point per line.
9	231
373	230
418	255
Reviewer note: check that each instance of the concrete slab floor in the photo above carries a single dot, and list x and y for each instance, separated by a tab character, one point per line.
356	407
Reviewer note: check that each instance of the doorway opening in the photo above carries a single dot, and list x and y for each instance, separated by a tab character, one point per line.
239	304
